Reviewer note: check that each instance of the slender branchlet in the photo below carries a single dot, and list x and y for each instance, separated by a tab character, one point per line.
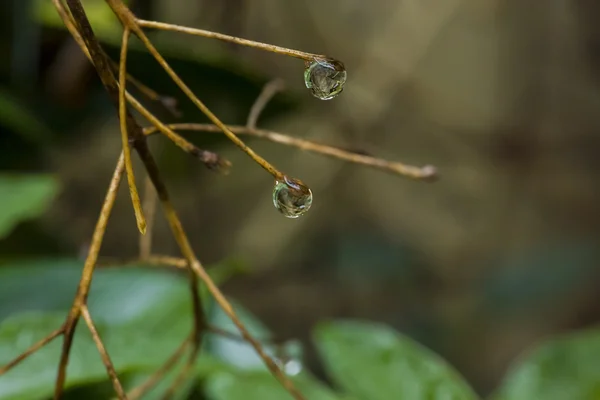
232	39
427	172
135	197
110	368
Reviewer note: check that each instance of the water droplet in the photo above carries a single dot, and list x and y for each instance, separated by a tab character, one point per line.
291	197
288	357
325	78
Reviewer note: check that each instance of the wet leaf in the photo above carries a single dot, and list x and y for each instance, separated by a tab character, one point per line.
142	315
262	386
562	368
374	362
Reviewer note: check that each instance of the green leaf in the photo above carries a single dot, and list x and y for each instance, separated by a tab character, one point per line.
374	362
562	368
236	353
22	197
142	315
262	386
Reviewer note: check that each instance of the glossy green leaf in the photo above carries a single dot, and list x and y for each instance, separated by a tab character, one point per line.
563	368
142	315
262	386
374	362
24	196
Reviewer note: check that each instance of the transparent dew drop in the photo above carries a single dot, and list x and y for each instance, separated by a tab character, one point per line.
325	78
289	357
292	197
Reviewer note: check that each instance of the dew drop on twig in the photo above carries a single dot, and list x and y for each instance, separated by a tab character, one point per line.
325	78
291	197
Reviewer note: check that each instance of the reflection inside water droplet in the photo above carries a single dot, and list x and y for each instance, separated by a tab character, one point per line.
291	197
325	78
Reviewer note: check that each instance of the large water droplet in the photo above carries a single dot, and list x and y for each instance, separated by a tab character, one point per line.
291	197
325	78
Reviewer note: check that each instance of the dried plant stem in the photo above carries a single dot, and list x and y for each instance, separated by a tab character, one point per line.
153	379
168	102
137	138
232	39
211	160
86	275
128	19
35	347
100	62
267	93
149	207
152	260
135	197
426	172
112	373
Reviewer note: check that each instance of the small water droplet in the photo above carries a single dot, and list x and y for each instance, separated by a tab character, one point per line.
325	78
291	197
288	357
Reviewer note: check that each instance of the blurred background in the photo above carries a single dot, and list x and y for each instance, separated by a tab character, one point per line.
501	96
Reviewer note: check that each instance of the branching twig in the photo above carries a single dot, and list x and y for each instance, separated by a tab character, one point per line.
86	275
128	19
140	145
212	161
112	373
149	207
267	93
133	135
35	347
153	379
135	197
426	172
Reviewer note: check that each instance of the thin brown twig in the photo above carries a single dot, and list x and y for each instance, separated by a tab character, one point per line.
211	160
128	19
135	197
110	368
35	347
232	39
152	260
86	275
149	207
185	371
137	139
267	93
153	379
168	102
427	172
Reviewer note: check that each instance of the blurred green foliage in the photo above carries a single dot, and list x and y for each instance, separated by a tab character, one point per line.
23	197
143	314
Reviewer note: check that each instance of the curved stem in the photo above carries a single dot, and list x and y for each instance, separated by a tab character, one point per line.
135	197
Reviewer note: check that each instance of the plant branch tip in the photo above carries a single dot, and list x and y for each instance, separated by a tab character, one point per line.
430	173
